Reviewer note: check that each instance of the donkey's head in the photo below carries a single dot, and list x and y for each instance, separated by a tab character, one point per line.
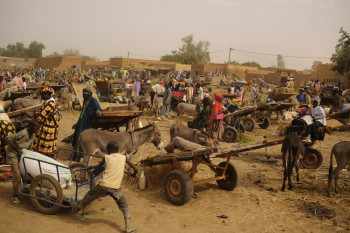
156	138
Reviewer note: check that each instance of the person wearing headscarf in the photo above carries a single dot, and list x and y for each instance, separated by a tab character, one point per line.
166	101
203	117
48	117
137	87
216	118
90	109
252	94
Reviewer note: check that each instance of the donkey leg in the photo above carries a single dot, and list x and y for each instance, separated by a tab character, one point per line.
284	173
336	176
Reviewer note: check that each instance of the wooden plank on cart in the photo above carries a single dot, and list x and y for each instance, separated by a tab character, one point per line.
23	111
78	89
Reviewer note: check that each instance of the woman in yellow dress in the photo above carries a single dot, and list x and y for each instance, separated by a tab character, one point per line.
48	117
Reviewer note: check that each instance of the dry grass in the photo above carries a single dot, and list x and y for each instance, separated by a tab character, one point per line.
155	176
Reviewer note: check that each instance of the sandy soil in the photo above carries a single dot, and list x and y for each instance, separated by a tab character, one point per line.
256	205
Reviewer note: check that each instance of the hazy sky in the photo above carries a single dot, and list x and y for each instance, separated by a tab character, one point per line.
149	29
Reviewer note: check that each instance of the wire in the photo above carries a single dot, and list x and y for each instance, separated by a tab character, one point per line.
268	54
220	51
143	55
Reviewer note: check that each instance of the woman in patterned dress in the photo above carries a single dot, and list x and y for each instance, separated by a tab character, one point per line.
48	117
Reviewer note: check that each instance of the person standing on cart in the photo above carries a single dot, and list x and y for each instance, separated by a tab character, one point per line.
48	117
90	109
16	142
110	183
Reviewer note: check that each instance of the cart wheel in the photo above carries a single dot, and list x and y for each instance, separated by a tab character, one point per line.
80	175
230	134
45	187
178	187
312	159
231	180
240	128
265	124
249	124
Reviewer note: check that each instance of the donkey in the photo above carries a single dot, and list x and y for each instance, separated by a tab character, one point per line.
294	146
193	135
341	153
188	109
94	141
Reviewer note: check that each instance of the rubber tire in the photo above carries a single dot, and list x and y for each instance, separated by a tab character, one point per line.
313	164
241	128
231	181
35	202
265	124
181	178
249	124
79	165
230	134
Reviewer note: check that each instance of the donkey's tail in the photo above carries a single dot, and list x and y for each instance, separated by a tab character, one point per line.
331	165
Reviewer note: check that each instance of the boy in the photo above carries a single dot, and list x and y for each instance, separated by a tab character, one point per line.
110	183
16	142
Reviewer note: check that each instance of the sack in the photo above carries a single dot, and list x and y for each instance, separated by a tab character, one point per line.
219	116
47	165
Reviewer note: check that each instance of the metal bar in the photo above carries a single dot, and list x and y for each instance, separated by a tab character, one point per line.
54	203
198	182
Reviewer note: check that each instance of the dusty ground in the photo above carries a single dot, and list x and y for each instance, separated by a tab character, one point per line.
256	205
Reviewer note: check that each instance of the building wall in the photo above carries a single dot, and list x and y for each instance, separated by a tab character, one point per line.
324	73
123	62
10	62
60	63
90	64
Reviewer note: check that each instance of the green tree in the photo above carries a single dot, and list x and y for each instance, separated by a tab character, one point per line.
71	52
342	54
19	50
190	52
233	63
280	61
35	49
315	64
251	64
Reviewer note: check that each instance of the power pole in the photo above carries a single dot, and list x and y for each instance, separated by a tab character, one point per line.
127	62
228	63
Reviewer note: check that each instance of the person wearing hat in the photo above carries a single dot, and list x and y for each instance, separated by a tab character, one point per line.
90	109
48	117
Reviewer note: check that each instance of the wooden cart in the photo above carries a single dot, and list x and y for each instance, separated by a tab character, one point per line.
113	120
179	185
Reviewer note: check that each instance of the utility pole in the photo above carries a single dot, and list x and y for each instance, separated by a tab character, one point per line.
127	62
228	63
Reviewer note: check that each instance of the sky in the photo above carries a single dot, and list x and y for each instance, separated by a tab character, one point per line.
148	29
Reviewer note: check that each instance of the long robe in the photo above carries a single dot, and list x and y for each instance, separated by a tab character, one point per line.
48	117
166	102
89	110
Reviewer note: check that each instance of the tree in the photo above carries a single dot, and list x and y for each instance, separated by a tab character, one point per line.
342	54
280	61
190	52
19	50
315	64
233	63
251	64
35	49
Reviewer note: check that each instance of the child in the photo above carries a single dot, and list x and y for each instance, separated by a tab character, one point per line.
110	183
16	142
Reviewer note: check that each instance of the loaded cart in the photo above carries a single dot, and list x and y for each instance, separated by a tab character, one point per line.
179	184
51	185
